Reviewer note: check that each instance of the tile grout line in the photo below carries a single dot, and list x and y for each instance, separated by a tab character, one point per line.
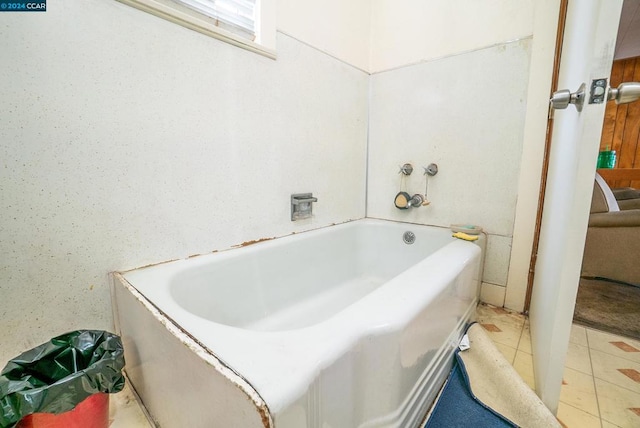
593	376
616	385
613	355
618	355
518	345
580	410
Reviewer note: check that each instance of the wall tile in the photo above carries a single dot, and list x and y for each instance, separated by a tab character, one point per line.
466	114
132	140
492	294
496	265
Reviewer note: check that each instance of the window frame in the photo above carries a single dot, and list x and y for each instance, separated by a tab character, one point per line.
196	21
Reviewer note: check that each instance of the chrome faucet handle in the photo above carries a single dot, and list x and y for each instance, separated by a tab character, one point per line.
430	170
416	201
406	169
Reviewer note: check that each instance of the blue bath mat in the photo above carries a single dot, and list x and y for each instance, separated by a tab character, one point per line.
458	407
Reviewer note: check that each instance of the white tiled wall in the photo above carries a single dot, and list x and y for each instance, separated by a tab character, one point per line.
466	114
498	251
128	140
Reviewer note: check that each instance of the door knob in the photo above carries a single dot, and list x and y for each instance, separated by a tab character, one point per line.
626	92
562	98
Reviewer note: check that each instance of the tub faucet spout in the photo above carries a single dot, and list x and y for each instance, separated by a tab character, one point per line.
415	201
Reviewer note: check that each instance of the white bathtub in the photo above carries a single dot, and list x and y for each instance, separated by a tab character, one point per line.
344	326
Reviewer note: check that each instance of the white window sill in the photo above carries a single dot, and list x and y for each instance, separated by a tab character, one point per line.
187	18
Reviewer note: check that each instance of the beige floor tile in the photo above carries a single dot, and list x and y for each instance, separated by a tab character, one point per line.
508	352
578	335
125	412
617	392
523	363
578	358
576	418
525	339
616	404
612	369
502	326
615	345
579	391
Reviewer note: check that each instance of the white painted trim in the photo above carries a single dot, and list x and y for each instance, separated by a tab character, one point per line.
195	21
266	25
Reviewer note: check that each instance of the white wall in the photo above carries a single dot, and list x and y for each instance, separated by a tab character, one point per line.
127	140
449	86
409	31
466	114
340	28
377	35
382	35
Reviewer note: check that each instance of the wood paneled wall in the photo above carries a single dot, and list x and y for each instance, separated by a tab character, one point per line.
621	131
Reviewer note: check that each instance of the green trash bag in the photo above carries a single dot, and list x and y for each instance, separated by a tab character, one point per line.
58	375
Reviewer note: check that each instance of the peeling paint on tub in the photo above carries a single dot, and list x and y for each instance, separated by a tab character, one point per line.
255	241
206	354
264	415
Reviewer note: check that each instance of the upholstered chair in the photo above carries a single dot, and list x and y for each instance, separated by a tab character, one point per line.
628	198
612	248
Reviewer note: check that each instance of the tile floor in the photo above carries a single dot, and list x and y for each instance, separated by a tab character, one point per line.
601	382
125	412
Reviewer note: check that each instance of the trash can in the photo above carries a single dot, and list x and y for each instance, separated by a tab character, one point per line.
63	383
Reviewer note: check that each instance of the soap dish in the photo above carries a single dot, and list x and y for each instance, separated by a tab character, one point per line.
469	229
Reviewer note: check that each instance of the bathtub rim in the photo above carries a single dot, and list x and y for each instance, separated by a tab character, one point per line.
176	270
199	257
200	260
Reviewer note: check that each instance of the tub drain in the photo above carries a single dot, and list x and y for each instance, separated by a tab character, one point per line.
409	237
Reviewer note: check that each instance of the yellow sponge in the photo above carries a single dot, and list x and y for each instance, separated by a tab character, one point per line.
462	235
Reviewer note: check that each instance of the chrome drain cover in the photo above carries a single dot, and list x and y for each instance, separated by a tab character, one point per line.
409	237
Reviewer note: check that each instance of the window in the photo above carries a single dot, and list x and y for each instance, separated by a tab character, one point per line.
249	24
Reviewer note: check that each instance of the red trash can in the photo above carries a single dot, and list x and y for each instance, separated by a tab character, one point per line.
63	383
92	412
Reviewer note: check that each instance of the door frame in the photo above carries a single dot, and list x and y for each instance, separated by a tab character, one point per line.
562	17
